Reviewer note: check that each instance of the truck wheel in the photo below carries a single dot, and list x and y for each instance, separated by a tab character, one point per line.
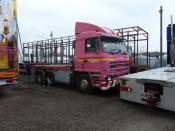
84	84
39	78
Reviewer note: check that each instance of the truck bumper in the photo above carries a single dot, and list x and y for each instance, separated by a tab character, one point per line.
108	85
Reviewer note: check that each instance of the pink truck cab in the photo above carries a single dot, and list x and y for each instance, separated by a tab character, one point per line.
100	57
93	58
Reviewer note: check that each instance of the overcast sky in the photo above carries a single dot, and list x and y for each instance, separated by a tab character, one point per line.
37	18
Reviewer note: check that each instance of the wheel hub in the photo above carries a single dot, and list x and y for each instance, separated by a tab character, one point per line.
84	84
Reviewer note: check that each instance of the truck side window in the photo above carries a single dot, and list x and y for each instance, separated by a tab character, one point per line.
92	45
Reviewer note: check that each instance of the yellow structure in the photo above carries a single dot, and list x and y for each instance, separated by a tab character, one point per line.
4	58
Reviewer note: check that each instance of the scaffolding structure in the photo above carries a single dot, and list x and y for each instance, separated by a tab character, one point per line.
134	36
50	51
60	50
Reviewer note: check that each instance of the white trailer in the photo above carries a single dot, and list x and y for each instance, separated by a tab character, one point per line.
154	88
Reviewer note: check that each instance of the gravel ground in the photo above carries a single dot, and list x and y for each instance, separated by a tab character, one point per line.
69	110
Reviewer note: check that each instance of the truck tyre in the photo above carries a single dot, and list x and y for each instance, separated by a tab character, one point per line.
84	84
39	78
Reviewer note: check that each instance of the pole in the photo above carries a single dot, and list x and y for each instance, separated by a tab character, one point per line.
51	35
147	53
161	34
138	47
134	50
51	51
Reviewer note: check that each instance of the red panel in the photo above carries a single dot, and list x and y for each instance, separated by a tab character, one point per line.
124	88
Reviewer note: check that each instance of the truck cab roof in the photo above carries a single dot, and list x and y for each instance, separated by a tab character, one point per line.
86	30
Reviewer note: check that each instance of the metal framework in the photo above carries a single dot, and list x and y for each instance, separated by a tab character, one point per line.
60	50
50	51
133	37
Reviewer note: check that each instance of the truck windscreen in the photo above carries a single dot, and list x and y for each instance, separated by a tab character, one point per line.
113	45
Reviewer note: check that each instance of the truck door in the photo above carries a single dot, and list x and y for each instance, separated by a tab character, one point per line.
91	61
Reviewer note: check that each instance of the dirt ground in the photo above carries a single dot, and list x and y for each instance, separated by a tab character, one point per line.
66	109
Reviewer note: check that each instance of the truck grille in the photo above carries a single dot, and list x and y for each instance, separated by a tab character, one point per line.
119	68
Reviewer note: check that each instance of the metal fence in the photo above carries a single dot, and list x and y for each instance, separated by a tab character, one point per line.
136	40
51	51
